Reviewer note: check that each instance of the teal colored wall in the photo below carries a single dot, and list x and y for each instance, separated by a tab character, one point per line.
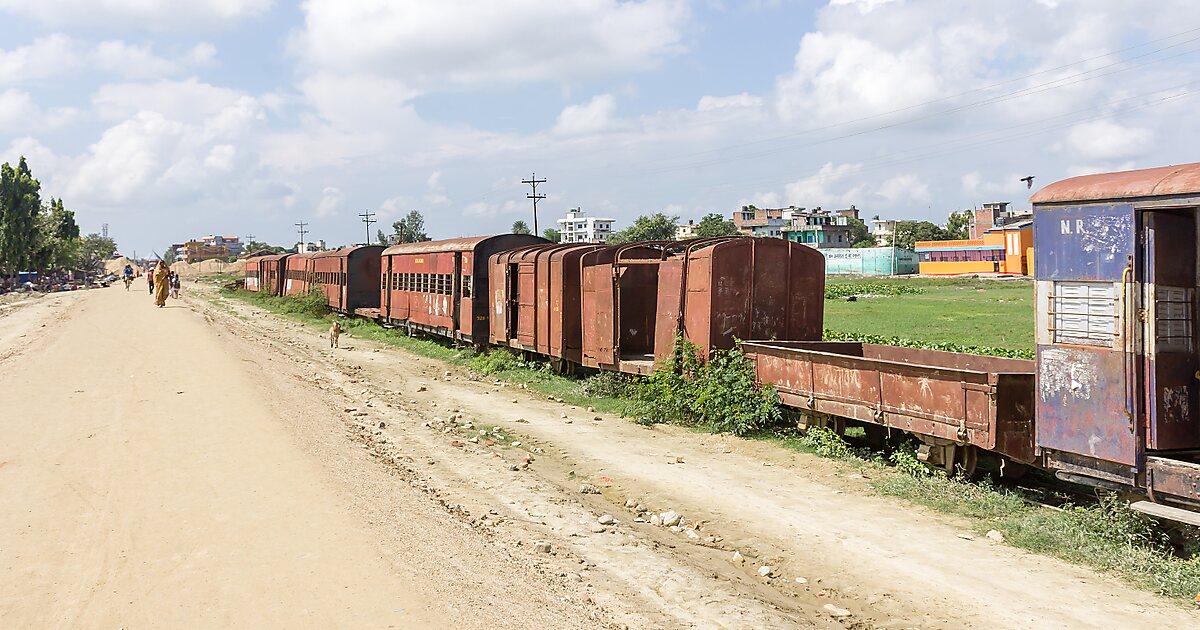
869	261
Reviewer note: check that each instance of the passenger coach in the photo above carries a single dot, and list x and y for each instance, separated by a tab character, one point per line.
441	287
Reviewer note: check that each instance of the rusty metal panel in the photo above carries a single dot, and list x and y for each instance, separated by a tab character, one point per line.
598	308
497	324
1081	403
941	394
526	302
1173	477
670	304
1083	242
565	320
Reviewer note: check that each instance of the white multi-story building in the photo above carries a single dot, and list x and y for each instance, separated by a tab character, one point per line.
577	228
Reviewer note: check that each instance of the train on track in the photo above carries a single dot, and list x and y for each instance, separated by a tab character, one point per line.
1111	400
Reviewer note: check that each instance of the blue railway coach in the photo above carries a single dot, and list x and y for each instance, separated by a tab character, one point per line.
1117	372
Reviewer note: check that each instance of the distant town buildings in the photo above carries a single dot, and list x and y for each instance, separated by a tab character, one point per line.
995	214
310	246
1004	248
684	231
208	248
577	227
816	228
883	230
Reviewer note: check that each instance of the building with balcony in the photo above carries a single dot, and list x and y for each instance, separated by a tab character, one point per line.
818	228
684	231
753	221
577	227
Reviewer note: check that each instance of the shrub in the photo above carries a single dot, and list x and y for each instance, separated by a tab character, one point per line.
609	385
495	361
832	335
846	289
720	396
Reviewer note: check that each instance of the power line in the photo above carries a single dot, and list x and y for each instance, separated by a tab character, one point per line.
368	218
534	181
302	232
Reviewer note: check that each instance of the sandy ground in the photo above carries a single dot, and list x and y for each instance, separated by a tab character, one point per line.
292	485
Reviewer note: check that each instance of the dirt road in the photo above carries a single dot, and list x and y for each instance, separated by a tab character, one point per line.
145	483
291	485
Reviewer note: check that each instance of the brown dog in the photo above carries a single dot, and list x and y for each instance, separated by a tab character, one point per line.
335	331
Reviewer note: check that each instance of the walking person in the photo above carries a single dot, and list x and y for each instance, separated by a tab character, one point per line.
174	285
161	284
150	282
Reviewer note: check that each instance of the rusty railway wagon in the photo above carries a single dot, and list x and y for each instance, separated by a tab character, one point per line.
441	287
1112	398
637	298
264	273
349	278
297	278
536	301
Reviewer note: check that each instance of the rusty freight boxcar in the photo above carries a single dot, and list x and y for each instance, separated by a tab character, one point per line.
638	297
957	404
536	301
297	274
252	273
1117	378
349	277
442	287
270	272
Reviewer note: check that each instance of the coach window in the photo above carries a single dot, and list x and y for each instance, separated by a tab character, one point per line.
466	286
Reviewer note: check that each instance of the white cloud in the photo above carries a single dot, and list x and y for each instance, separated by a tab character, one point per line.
152	14
1106	140
906	189
591	117
736	101
16	109
190	99
436	194
330	202
482	42
58	55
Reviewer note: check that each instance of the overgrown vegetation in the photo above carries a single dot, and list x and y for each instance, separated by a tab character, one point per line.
1105	534
838	290
720	395
831	335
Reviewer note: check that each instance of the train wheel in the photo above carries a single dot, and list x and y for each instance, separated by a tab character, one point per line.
966	461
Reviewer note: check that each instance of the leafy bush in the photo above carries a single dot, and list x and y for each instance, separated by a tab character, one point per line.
826	443
721	395
495	361
846	289
832	335
609	385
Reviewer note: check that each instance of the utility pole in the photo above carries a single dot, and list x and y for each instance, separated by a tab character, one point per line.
302	232
534	181
368	218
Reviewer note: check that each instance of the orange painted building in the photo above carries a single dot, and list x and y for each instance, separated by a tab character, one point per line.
1002	249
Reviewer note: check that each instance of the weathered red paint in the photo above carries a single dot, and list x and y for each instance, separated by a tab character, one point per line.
297	272
970	399
271	271
348	277
443	286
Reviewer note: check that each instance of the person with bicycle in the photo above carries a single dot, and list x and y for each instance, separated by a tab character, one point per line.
128	276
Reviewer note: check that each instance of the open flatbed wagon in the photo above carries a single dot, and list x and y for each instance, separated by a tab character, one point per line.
956	404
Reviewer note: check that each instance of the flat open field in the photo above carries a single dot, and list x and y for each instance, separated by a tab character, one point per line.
980	312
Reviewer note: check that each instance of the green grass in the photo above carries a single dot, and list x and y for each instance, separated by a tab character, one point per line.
496	363
1106	535
997	313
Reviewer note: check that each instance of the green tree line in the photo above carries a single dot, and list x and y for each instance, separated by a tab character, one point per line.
42	236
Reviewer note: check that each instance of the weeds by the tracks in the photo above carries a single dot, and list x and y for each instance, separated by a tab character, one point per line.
1106	534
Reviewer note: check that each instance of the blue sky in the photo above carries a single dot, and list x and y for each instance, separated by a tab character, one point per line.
168	120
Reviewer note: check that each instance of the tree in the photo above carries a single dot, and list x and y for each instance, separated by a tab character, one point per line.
552	235
654	227
410	229
714	224
381	238
908	233
95	250
20	203
260	247
860	236
520	227
958	225
57	242
170	255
